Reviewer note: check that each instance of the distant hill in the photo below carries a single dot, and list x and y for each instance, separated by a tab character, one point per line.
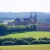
12	15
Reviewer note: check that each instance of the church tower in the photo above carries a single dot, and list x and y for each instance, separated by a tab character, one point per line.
31	18
31	15
35	18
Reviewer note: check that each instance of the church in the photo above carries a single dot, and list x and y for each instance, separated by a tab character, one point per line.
26	21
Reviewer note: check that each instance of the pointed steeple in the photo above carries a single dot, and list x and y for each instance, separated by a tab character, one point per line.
31	15
35	18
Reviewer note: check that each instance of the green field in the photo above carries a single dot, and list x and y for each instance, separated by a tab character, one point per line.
28	34
26	47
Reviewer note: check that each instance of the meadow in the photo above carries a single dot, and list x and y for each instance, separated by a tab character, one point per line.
33	34
26	47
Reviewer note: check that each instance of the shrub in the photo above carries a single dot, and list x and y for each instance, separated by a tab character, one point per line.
8	43
22	42
30	39
44	38
40	42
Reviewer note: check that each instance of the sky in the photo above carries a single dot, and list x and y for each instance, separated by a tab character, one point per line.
25	6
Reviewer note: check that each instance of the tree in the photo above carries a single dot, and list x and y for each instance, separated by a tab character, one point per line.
3	29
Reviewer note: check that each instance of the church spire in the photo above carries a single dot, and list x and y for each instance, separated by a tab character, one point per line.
31	15
35	18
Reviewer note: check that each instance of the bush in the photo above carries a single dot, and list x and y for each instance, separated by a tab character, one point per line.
40	42
1	40
30	39
8	43
13	41
44	38
7	40
22	42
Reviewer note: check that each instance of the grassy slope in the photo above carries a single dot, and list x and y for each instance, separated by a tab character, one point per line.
26	47
28	34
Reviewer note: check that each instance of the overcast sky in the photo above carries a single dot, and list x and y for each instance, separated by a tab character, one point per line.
24	5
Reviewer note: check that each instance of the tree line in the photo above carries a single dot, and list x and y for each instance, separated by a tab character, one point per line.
24	41
4	29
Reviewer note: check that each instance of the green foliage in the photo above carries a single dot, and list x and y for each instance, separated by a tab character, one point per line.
4	30
23	41
44	38
30	39
40	42
8	43
11	41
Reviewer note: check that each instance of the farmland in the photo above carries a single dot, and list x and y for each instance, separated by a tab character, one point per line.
34	34
26	47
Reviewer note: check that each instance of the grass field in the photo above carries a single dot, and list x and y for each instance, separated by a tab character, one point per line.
26	47
28	34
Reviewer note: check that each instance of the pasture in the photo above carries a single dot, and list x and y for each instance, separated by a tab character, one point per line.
26	47
34	34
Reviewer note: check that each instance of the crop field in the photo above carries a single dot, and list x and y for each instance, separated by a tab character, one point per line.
28	34
26	47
